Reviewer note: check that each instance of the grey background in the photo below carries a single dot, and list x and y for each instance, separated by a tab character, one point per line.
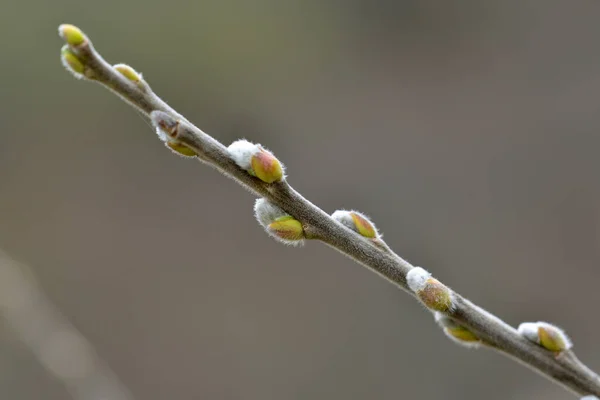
467	130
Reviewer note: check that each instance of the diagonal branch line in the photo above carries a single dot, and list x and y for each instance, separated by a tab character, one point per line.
563	368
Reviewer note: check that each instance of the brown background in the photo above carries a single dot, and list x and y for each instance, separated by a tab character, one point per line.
467	130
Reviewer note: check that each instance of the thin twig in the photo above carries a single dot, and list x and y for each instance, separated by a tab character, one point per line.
562	367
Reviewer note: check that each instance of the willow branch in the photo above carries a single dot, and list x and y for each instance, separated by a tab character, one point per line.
462	320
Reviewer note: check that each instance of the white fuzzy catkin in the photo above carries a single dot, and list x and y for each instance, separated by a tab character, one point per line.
344	218
241	151
417	279
267	212
161	134
529	330
157	118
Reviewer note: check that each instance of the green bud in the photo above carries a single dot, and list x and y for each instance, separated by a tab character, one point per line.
363	225
278	224
266	167
128	72
356	221
71	62
71	34
181	149
553	339
461	333
287	228
456	332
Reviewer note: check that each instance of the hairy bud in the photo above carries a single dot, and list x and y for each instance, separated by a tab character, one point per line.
356	221
166	129
287	228
546	335
434	294
71	34
278	224
456	332
256	160
72	63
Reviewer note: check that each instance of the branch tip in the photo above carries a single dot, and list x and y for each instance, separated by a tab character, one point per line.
72	35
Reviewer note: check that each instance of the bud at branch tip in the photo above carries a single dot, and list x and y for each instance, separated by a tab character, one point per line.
278	224
71	34
434	294
256	160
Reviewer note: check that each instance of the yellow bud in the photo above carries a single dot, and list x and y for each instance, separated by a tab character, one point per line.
287	228
71	61
71	34
363	225
266	167
551	339
128	72
456	332
462	334
181	149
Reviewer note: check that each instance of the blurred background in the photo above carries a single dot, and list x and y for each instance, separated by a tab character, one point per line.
467	130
